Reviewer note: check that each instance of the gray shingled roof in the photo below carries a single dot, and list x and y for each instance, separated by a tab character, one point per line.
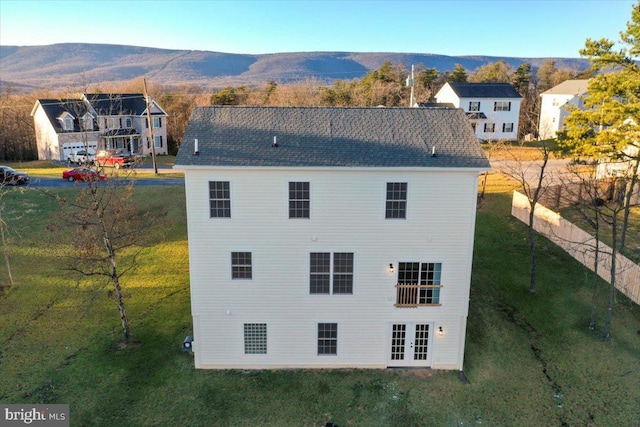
484	90
117	104
331	137
53	108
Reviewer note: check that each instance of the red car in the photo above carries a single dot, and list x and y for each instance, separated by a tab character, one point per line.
116	159
83	174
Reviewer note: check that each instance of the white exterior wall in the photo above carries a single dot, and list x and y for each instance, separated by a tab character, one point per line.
446	94
347	215
498	118
141	127
46	137
553	112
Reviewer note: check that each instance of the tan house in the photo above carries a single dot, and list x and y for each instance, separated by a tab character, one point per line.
98	121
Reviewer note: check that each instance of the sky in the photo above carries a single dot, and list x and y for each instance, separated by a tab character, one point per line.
518	28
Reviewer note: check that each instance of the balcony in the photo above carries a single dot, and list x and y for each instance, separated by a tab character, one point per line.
411	295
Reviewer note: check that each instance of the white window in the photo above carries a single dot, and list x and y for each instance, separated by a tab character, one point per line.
87	122
158	141
68	123
219	199
507	127
327	338
331	273
157	122
489	127
474	105
255	338
114	123
241	265
396	205
299	200
502	106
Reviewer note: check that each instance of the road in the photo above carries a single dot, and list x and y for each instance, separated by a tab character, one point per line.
59	182
555	172
145	178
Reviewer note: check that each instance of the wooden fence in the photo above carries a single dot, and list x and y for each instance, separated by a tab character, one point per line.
580	245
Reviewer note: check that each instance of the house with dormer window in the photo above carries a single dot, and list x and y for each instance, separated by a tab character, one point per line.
324	237
98	122
493	109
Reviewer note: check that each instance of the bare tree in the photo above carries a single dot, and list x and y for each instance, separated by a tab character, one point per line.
530	174
107	229
108	232
3	235
586	196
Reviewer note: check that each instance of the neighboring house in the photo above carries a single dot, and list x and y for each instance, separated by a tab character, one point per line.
330	237
492	108
554	103
624	166
95	122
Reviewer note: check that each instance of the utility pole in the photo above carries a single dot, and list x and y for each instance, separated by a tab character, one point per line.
410	84
150	125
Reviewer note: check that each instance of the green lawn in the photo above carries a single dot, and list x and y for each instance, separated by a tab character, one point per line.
530	360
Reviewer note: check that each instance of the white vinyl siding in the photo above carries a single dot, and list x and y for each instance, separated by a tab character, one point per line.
351	220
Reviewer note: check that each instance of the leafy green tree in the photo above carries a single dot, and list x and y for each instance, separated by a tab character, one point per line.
608	129
494	72
458	75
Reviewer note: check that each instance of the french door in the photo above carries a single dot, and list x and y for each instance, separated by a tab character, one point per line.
410	344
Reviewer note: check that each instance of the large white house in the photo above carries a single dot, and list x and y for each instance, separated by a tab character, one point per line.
98	121
555	103
330	237
492	108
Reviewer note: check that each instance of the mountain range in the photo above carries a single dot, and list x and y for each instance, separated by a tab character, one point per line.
82	65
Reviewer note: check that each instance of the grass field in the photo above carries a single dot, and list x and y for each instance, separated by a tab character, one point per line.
530	360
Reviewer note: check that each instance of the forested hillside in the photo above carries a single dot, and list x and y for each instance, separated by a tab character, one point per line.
384	85
81	64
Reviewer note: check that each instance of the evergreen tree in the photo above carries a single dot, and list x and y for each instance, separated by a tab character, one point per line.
521	78
458	75
609	127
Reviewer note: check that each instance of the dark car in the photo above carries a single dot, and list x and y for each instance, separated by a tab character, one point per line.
83	174
11	176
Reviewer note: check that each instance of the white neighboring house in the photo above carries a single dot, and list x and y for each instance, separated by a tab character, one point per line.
626	165
554	103
492	108
95	122
327	237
